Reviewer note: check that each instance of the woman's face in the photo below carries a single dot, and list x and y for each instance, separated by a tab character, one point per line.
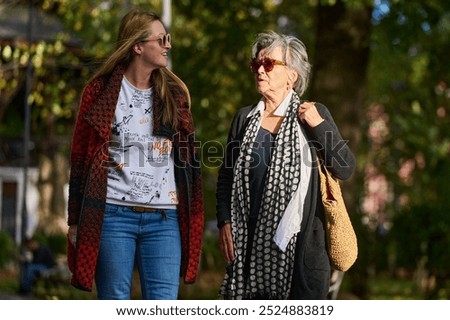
275	81
154	51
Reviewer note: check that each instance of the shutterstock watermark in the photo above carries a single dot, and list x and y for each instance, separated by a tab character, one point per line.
210	154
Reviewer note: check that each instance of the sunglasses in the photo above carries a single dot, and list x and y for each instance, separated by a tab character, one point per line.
163	40
267	63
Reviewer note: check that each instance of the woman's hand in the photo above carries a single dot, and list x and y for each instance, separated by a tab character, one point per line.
226	243
72	234
307	113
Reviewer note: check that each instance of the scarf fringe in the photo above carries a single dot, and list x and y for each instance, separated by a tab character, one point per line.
260	295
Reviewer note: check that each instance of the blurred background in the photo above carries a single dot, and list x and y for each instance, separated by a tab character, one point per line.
381	66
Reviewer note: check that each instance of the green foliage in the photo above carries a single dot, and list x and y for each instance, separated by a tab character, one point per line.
57	243
409	77
408	74
387	288
212	258
8	249
414	88
423	232
211	53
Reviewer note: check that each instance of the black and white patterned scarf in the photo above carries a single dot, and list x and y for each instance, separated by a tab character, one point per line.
270	272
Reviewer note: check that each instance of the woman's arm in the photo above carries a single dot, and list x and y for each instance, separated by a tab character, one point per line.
78	156
331	147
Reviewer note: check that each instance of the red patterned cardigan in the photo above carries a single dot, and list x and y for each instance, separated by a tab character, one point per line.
88	178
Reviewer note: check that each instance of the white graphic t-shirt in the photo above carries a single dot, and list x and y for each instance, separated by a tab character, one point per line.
142	169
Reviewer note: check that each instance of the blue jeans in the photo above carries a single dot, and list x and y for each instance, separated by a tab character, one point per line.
150	240
29	273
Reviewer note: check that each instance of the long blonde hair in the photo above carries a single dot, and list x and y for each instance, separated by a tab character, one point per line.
133	29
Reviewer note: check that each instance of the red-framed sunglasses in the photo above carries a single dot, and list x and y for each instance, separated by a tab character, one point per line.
267	63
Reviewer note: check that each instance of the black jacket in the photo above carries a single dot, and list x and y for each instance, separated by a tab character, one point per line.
311	277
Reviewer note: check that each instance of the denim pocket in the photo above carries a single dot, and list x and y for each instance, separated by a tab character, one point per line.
111	209
171	214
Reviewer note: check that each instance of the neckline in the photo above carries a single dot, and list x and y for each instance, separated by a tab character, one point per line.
134	87
272	133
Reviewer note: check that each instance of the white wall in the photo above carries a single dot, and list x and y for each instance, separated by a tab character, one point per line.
16	174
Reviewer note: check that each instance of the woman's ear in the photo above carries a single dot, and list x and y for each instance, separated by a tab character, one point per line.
137	49
292	76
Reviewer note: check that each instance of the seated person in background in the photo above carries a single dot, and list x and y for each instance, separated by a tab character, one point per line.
31	267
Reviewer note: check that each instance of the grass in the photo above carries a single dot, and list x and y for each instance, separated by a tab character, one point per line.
384	288
205	288
207	285
9	283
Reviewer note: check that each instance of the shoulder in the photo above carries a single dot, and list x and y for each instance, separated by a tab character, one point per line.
245	110
321	108
180	97
323	111
242	113
94	87
104	82
240	120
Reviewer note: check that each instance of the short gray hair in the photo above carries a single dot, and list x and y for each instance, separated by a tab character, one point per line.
294	55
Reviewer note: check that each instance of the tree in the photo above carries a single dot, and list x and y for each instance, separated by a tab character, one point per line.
212	41
53	63
376	65
211	52
338	36
409	82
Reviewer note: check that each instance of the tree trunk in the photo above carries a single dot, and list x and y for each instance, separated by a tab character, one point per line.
52	186
54	176
340	65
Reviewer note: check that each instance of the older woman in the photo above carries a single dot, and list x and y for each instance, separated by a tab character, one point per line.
269	210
